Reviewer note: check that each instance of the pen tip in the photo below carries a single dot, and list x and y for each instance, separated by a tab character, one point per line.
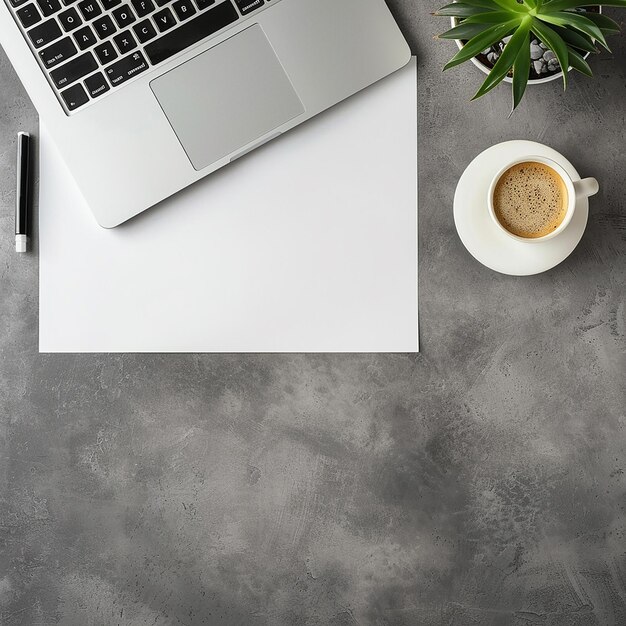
20	243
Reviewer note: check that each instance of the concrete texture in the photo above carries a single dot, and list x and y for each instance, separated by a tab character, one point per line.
481	482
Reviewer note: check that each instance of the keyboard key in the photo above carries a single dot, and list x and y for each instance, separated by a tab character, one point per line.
203	4
73	70
123	16
125	42
89	9
191	32
58	52
48	7
246	6
75	97
143	7
85	38
161	3
68	2
17	3
126	68
105	52
28	15
110	4
104	26
164	20
96	85
183	9
44	33
70	19
144	31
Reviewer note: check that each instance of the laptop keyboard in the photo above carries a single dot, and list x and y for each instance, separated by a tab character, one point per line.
90	47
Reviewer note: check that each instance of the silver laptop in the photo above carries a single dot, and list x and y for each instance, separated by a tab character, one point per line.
145	97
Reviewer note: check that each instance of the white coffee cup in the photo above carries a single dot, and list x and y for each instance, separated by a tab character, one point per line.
576	189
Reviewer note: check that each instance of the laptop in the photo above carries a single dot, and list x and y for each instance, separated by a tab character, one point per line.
145	97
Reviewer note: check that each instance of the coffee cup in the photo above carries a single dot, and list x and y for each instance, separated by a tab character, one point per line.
533	199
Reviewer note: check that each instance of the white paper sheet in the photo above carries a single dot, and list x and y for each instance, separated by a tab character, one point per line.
307	245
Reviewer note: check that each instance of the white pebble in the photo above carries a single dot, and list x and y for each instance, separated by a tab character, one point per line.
535	52
553	65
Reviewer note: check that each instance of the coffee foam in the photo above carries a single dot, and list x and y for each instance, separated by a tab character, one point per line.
530	200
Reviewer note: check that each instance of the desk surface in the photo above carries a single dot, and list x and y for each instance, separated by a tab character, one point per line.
481	482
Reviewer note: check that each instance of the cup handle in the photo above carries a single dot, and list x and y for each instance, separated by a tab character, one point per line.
586	187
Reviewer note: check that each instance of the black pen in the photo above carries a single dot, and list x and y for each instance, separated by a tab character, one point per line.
22	199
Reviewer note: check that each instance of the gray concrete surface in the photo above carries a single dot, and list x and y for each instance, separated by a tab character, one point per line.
480	482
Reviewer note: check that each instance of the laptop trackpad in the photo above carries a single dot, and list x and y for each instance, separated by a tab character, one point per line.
227	97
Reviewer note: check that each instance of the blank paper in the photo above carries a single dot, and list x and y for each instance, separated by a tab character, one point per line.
308	244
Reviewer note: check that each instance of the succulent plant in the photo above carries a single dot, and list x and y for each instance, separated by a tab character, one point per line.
559	25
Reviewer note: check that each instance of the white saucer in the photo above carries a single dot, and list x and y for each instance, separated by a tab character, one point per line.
482	237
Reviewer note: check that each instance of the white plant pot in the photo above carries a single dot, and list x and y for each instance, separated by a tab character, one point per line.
507	79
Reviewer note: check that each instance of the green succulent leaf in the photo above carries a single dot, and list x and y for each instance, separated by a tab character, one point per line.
460	9
555	42
491	17
563	5
521	71
574	20
604	23
464	31
485	4
577	40
507	58
578	63
512	5
485	39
